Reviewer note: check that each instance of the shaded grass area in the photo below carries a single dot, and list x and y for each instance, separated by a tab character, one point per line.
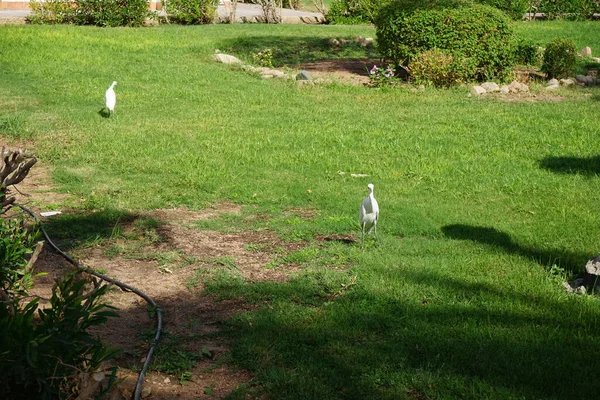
486	206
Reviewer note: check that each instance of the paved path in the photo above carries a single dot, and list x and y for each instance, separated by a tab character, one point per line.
244	12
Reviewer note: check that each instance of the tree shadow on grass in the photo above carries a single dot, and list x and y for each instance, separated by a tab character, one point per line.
70	230
297	49
571	262
463	343
589	166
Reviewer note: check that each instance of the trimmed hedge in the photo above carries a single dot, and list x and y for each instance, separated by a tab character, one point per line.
479	34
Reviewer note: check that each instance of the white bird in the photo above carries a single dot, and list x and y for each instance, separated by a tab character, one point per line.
111	99
369	214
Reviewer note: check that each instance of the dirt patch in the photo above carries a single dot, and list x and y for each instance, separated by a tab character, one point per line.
351	70
528	97
191	319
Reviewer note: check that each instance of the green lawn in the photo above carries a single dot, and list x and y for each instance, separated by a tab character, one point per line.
486	205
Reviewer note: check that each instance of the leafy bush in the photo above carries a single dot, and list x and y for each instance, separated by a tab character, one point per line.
559	58
514	8
568	9
527	52
51	12
193	12
52	355
111	12
439	68
478	33
354	11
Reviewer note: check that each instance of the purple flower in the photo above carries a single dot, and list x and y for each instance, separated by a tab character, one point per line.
373	70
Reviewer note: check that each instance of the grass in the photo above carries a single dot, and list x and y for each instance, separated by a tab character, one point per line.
487	206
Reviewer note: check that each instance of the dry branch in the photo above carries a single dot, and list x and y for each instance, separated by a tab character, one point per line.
14	167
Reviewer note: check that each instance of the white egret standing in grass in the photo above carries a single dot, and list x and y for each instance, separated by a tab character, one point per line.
369	214
111	99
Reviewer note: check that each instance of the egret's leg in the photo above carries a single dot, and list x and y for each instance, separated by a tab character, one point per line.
363	236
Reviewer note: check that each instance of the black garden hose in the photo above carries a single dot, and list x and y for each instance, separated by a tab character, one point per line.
126	288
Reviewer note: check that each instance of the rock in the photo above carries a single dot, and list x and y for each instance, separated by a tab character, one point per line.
553	82
552	87
334	42
304	76
591	275
567	82
575	286
275	73
490	87
587	80
596	59
524	88
98	376
504	89
167	380
586	52
227	59
146	391
477	90
359	39
592	72
367	42
514	87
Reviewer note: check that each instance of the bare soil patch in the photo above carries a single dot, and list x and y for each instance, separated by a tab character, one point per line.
192	319
351	70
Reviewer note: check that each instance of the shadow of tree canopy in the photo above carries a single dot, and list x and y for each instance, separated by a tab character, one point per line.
297	49
372	346
572	165
571	262
72	229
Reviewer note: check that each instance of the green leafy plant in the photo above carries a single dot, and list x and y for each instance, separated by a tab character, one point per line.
478	33
192	12
382	76
514	8
559	58
527	52
438	68
51	12
111	13
51	354
569	9
264	58
354	11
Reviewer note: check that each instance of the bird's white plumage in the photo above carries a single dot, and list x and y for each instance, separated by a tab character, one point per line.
369	213
111	98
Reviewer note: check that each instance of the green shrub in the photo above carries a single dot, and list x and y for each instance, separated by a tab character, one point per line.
354	11
559	58
514	8
478	33
51	12
47	356
438	68
527	52
569	9
111	12
193	12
